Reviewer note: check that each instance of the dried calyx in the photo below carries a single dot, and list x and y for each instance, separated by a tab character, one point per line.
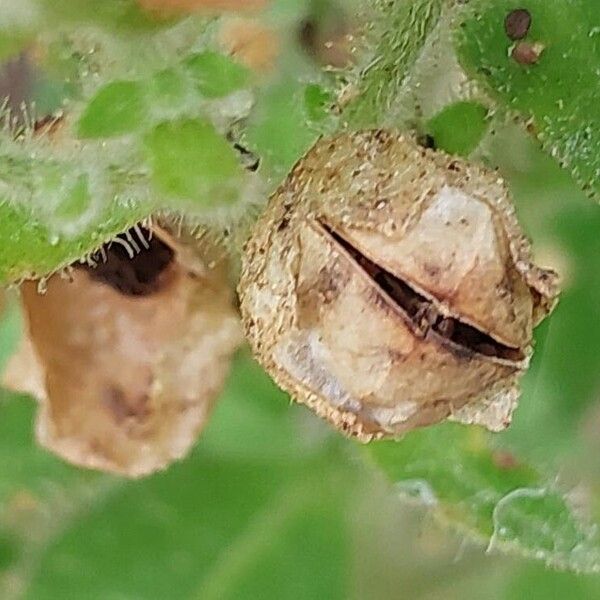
388	286
128	356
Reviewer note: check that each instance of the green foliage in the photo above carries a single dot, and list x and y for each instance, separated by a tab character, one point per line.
317	101
264	507
215	75
559	93
190	160
280	130
453	469
116	109
64	200
560	391
401	30
120	15
458	128
154	141
31	247
229	522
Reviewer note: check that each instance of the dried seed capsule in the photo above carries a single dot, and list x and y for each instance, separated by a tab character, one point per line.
128	356
389	286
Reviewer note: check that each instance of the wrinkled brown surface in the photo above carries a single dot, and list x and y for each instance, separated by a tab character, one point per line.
389	286
517	23
126	382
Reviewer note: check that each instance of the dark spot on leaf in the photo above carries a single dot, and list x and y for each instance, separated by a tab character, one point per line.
517	23
131	265
526	53
505	460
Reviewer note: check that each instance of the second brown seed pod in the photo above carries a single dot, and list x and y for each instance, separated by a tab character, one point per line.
129	353
388	286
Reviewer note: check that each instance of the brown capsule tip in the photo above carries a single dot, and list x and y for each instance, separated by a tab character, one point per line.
517	23
526	53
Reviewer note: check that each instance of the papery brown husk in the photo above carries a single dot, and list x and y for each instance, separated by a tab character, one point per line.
336	342
126	383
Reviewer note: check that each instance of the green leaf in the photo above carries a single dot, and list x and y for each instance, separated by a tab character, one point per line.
10	331
229	525
458	128
401	32
534	583
257	421
512	507
190	160
216	75
65	202
317	101
560	91
167	90
560	390
33	249
117	108
12	42
280	129
119	15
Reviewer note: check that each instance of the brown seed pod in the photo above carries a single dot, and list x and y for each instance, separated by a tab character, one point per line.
128	357
388	286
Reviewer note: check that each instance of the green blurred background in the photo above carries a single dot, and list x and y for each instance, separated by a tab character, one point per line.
273	504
